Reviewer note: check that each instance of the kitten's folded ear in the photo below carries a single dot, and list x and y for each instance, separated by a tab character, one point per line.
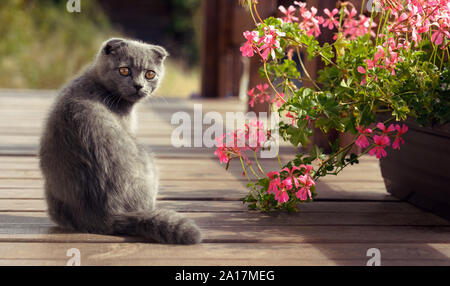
160	52
113	44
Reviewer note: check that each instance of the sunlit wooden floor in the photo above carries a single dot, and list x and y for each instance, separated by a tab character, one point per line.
352	213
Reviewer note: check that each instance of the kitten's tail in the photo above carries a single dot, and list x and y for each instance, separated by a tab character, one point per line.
164	226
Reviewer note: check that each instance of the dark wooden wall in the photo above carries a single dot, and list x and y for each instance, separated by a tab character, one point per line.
224	21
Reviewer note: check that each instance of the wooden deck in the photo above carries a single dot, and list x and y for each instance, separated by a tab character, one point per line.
352	213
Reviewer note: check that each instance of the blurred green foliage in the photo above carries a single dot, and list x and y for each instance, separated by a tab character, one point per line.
185	27
42	45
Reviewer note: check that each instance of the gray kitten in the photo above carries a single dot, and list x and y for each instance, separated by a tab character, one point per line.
97	178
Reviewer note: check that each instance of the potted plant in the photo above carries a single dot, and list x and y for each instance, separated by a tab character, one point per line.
386	75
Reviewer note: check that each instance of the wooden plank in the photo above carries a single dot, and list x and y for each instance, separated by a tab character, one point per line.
222	254
178	164
27	167
237	206
190	174
42	231
39	99
224	190
234	213
32	161
220	190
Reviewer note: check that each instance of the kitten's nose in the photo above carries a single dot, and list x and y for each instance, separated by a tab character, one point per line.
138	87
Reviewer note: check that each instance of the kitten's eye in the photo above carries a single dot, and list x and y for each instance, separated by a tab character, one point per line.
150	75
124	71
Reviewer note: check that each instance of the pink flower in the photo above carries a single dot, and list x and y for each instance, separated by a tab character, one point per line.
277	100
222	154
291	180
307	168
331	22
293	117
262	87
289	14
269	42
362	139
381	142
276	187
363	81
262	95
251	93
304	192
233	147
255	134
361	70
381	126
311	23
439	35
370	64
282	196
275	182
247	48
401	130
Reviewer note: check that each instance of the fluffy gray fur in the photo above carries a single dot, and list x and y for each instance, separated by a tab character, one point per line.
97	178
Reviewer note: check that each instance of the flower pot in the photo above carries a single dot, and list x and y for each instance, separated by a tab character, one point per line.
420	171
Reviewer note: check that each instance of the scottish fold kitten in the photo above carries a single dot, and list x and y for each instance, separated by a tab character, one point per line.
97	178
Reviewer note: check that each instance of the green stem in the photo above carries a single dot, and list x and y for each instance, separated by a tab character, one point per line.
304	68
249	3
332	157
245	171
279	160
386	18
270	83
359	156
442	60
257	163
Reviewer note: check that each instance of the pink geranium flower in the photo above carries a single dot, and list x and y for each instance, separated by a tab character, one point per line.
277	100
277	187
439	35
247	48
383	128
261	95
307	168
282	196
289	14
293	117
400	131
304	192
311	22
362	139
269	42
291	180
231	145
381	142
255	134
222	154
275	182
331	21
